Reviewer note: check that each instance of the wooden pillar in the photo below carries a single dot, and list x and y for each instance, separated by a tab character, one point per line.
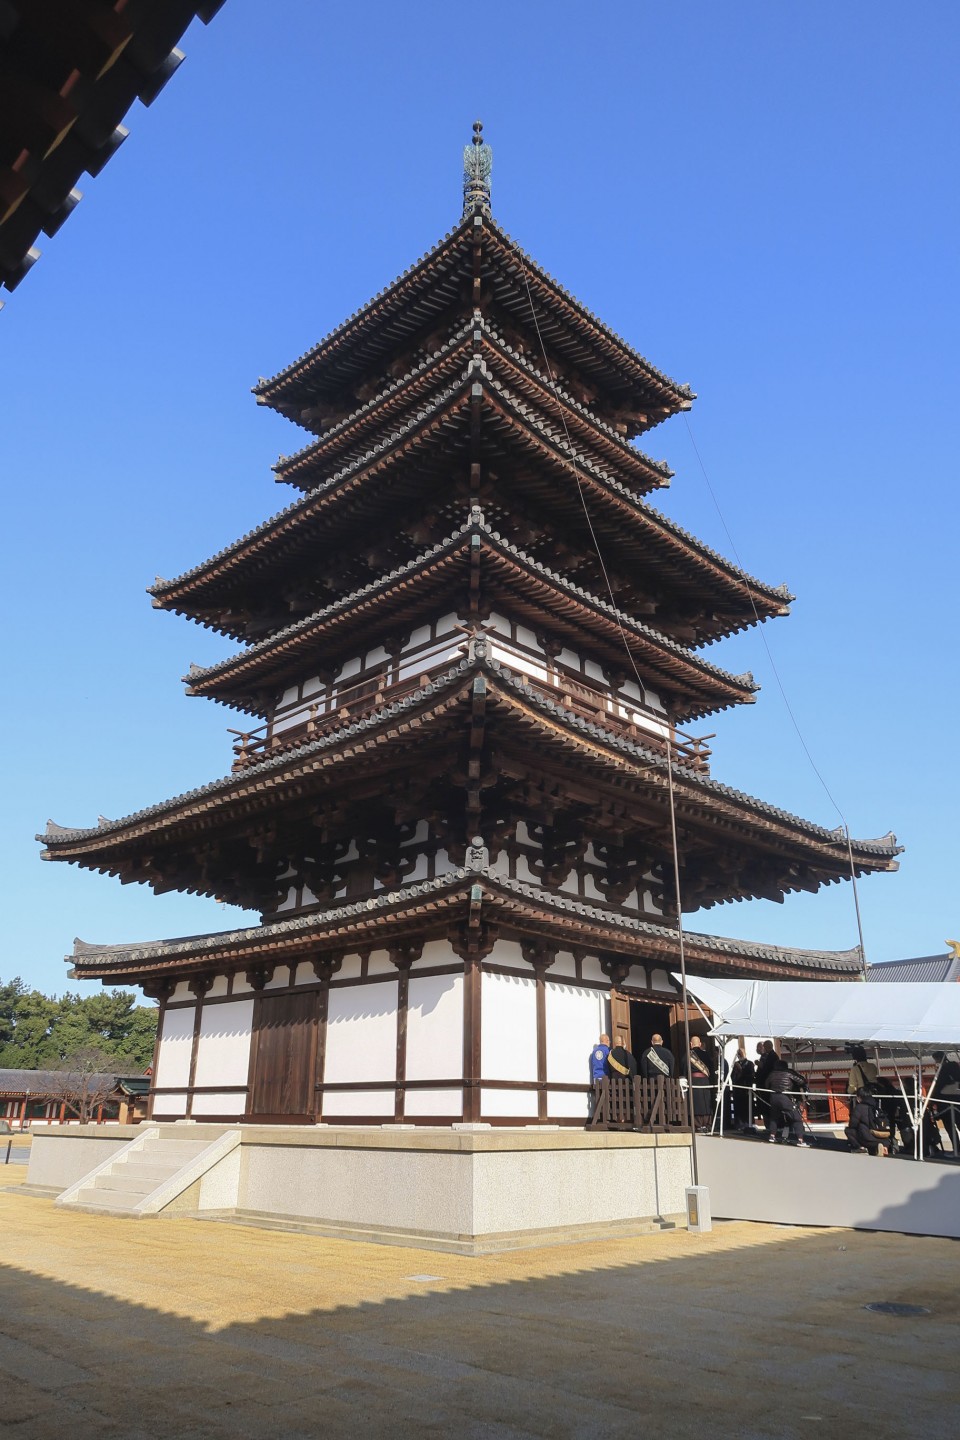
541	956
403	957
472	942
161	990
199	985
324	967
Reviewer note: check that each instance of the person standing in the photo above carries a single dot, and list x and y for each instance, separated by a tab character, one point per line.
598	1069
768	1058
863	1072
743	1078
700	1074
657	1060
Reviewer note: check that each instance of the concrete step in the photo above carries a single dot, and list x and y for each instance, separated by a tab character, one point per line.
172	1153
103	1199
129	1184
155	1172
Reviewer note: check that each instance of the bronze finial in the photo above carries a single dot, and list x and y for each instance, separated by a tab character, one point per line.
477	164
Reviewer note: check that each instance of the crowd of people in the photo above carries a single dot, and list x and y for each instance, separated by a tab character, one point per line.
767	1091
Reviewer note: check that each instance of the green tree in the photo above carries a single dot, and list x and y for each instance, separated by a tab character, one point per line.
39	1031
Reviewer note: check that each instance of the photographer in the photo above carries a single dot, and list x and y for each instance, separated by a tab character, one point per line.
784	1111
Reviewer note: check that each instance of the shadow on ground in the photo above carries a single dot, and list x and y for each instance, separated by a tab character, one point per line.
145	1329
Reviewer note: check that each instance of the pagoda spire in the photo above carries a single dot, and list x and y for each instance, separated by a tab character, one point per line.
477	165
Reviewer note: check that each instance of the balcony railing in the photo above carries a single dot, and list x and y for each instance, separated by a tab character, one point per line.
369	694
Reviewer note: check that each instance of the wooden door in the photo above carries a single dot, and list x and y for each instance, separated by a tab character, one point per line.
285	1058
619	1019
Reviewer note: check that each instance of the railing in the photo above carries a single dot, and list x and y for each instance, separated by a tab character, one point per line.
628	1103
369	694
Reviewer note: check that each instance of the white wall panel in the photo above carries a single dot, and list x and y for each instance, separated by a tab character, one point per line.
169	1105
508	1104
508	1027
373	1103
362	1035
573	1016
564	1105
434	1028
380	963
436	952
223	1055
448	1103
230	1103
176	1043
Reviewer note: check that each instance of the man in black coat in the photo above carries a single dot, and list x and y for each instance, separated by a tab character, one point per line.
863	1120
657	1060
784	1111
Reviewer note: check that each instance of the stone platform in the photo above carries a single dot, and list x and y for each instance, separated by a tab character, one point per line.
464	1191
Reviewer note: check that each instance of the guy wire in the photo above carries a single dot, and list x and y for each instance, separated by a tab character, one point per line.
668	733
783	694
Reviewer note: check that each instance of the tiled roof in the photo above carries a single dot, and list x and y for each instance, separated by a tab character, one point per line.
125	957
884	848
475	526
446	254
477	328
656	525
934	969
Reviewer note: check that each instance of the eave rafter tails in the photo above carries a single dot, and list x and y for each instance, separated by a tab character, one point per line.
476	341
532	758
473	572
477	264
471	907
408	492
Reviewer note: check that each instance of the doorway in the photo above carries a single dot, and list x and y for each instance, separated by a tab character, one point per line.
284	1058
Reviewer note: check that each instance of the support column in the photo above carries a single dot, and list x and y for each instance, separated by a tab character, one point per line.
541	956
324	967
403	957
199	986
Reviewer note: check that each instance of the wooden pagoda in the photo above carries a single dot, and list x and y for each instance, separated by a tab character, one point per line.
466	649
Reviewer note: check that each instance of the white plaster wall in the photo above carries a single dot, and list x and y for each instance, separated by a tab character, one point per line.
169	1105
373	1103
508	1104
434	1029
572	1029
660	980
219	987
229	1103
566	1105
436	952
176	1043
508	1028
564	965
361	1038
181	991
591	970
448	1103
305	974
281	979
223	1054
380	964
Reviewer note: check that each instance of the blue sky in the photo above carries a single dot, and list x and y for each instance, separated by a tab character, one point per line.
761	198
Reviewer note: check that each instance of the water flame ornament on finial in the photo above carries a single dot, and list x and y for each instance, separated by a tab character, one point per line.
477	165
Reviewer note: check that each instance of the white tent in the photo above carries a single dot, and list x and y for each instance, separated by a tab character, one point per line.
918	1018
921	1017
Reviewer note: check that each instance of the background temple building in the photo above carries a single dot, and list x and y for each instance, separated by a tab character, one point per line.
467	649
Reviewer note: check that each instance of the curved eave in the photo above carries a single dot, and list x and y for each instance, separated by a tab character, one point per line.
366	337
621	758
349	439
435	902
534	438
701	688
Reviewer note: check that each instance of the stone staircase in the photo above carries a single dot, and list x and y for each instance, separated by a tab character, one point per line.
150	1174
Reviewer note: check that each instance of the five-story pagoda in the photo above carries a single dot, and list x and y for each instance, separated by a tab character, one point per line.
467	649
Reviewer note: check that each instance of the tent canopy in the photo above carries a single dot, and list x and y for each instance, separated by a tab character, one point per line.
921	1016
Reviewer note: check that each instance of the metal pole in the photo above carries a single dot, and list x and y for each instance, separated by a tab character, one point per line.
9	1148
683	957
